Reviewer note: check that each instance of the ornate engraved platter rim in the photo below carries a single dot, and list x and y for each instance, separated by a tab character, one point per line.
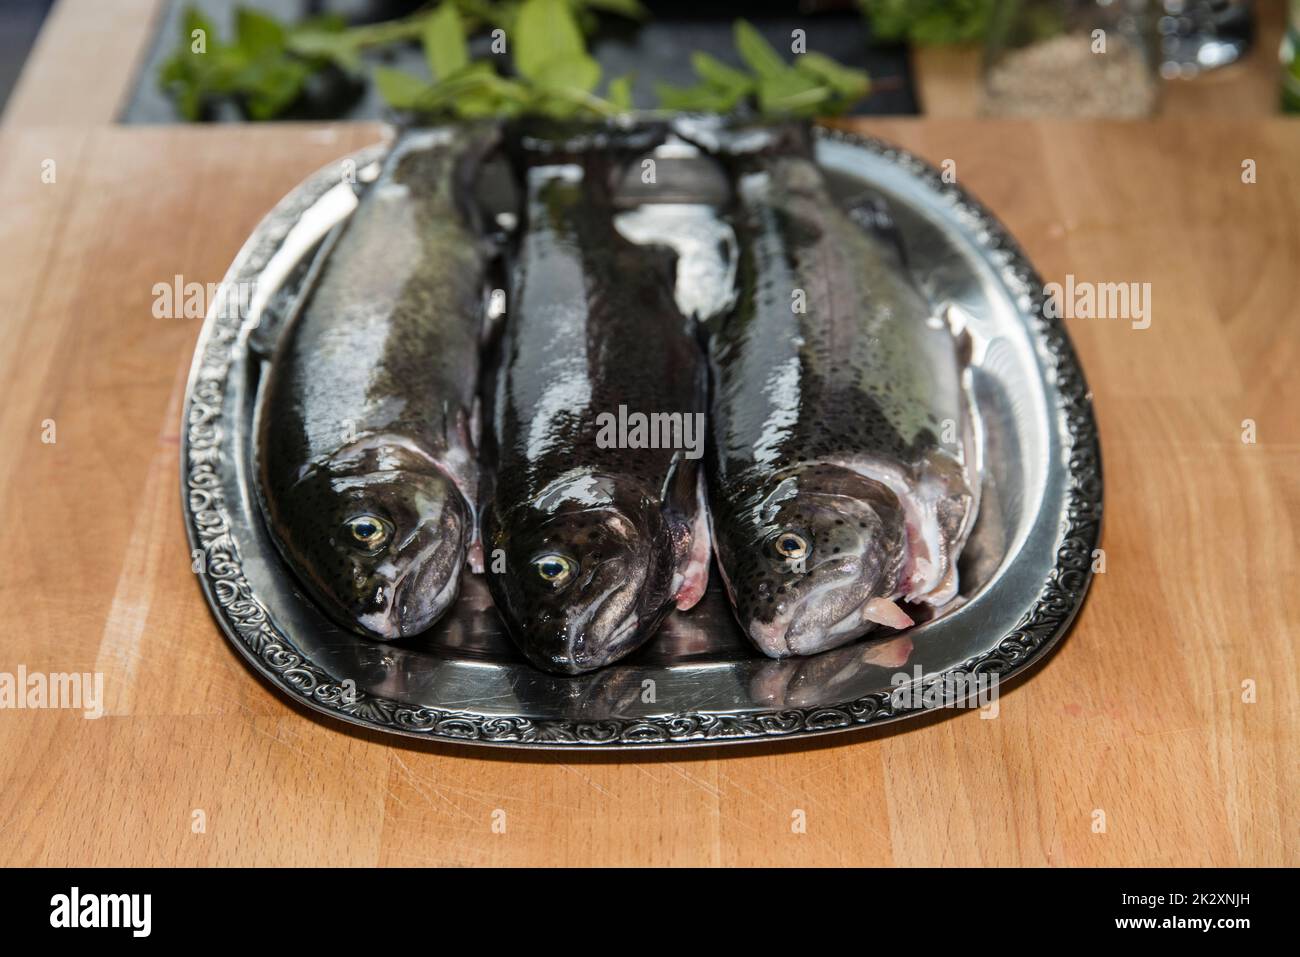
246	623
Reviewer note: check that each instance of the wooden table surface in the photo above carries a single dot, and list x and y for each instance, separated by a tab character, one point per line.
1139	714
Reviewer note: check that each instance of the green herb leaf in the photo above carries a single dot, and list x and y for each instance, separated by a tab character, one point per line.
470	92
335	47
631	9
929	21
544	31
716	73
400	90
842	79
563	87
620	92
791	92
445	47
258	34
575	73
757	52
273	86
701	98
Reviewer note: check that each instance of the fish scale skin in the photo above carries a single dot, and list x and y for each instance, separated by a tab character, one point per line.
804	403
855	373
367	406
388	341
592	326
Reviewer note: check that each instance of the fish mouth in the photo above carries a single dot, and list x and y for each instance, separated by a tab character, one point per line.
836	607
601	615
800	634
578	645
575	654
433	591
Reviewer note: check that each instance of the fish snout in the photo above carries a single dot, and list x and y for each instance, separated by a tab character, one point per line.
573	648
374	612
818	610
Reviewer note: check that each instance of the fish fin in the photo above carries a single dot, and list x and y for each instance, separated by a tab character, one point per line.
949	504
882	611
683	499
695	574
474	554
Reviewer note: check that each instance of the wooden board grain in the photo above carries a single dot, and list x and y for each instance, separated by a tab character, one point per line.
1139	714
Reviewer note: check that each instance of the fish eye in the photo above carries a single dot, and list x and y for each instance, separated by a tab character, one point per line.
554	569
790	545
368	531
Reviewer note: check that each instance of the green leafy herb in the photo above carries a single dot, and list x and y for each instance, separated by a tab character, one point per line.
557	76
545	30
253	68
620	93
445	47
929	22
266	66
790	92
399	89
813	84
719	75
630	9
757	52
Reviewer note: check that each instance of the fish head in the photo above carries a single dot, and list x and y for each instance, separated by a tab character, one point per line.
813	563
581	578
380	549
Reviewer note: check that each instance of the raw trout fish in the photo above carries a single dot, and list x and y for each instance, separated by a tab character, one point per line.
593	532
365	445
843	471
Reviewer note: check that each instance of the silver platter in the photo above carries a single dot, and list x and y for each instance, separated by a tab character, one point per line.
1024	573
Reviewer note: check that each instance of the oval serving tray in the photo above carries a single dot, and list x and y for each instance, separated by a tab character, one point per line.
698	681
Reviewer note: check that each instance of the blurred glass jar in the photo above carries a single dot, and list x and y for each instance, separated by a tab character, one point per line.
1291	60
1071	58
1198	35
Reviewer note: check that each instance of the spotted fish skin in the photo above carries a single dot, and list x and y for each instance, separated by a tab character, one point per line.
841	468
592	326
365	421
